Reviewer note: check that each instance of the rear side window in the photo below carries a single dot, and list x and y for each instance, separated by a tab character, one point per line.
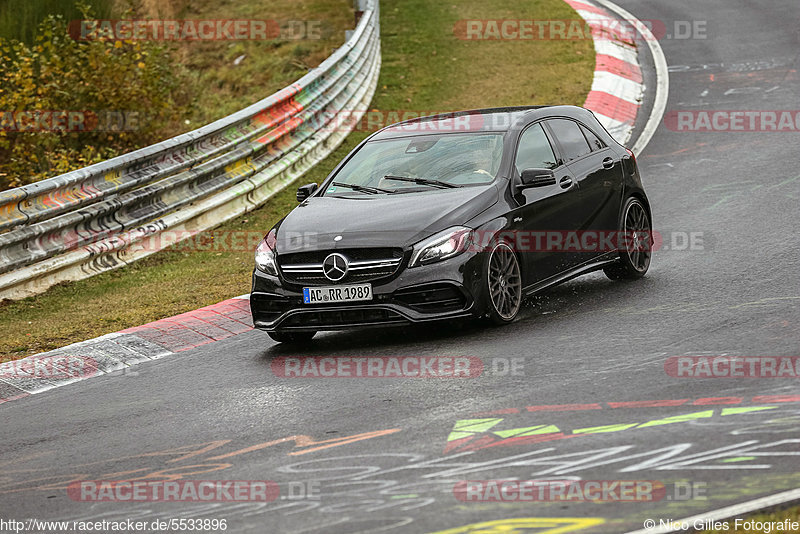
534	150
570	137
594	141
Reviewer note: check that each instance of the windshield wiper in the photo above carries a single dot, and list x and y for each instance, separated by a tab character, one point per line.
363	188
421	181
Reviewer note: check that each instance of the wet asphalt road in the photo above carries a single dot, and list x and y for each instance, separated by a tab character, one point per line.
219	411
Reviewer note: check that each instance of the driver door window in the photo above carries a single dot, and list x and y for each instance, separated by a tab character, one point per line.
534	151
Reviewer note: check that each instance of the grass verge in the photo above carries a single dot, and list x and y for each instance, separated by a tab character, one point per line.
425	67
235	74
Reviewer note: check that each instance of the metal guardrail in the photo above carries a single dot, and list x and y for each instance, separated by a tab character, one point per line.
87	221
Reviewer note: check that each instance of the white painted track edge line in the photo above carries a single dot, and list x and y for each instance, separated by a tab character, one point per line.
728	511
662	76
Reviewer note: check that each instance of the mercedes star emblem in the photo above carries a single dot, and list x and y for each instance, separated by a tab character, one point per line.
335	267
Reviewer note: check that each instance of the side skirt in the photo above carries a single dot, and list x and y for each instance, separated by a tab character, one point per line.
585	268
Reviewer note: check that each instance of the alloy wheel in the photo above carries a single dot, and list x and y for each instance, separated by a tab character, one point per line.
638	236
505	282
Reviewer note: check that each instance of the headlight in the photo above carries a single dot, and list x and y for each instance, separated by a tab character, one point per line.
265	254
444	245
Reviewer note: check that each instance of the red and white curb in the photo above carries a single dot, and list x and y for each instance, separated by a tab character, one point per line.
119	351
617	88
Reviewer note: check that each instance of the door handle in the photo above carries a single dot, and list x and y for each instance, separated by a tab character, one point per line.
565	182
608	163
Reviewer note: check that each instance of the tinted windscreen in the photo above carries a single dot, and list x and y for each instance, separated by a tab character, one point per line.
457	159
570	137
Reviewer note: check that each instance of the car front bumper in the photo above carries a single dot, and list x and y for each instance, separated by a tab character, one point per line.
445	290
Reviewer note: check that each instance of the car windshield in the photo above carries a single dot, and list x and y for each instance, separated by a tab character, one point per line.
420	163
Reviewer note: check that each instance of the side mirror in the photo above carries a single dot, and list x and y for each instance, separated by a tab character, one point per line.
305	191
537	178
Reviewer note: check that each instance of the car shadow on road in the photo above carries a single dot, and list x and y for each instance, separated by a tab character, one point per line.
590	294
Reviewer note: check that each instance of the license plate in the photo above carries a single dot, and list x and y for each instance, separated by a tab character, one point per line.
329	294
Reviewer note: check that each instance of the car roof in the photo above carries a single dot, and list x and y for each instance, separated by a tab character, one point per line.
502	119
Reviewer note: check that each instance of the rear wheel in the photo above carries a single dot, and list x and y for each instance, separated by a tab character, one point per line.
503	285
292	337
637	237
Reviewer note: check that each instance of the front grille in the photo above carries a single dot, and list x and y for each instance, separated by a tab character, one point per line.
432	298
365	265
338	318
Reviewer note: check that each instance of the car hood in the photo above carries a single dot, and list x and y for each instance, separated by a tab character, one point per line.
379	220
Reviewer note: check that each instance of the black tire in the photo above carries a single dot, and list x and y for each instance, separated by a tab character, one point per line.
292	337
502	282
637	237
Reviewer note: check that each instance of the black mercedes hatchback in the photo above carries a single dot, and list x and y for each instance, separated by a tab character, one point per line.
454	215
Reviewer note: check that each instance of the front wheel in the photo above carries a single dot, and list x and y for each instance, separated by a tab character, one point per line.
292	337
503	285
637	234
